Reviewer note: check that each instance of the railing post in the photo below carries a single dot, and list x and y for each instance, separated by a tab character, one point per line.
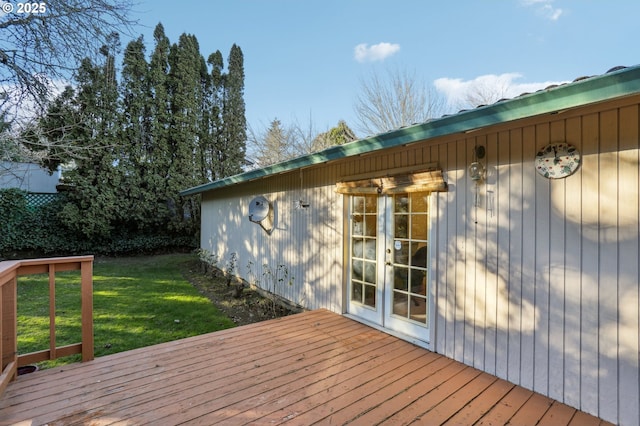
8	331
9	323
52	311
86	279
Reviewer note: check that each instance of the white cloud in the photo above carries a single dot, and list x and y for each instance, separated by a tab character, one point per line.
544	8
550	12
486	89
376	52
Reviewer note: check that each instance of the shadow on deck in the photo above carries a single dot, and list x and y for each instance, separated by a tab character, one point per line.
314	367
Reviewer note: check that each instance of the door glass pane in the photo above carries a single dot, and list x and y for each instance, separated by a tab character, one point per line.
419	226
357	227
371	204
400	304
357	247
369	248
356	291
356	269
419	254
418	309
401	203
401	224
401	252
419	202
357	204
370	272
400	278
418	282
370	226
370	295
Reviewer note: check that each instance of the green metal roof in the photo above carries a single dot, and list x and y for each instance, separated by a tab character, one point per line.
611	85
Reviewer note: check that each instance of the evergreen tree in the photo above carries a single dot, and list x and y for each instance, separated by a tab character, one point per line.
135	160
232	151
95	200
211	127
136	118
276	145
338	135
159	152
204	119
186	95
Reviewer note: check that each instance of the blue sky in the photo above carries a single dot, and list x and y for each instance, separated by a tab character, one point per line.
304	59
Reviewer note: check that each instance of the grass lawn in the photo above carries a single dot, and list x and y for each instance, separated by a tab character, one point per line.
137	301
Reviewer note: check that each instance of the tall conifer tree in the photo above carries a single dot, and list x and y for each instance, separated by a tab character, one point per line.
159	152
95	203
232	152
211	125
136	160
185	92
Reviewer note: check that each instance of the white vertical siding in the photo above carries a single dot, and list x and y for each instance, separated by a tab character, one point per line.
543	289
538	284
573	283
588	269
307	243
514	220
609	280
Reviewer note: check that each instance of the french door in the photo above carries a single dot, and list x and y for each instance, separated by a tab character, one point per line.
388	261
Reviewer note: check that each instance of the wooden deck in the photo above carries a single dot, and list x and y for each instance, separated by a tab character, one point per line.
314	367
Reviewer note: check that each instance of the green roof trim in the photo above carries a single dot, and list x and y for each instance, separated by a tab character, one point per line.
600	88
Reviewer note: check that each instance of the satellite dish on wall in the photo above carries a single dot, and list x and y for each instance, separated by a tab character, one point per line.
261	212
259	209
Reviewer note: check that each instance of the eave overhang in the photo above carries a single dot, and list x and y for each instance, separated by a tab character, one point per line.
616	84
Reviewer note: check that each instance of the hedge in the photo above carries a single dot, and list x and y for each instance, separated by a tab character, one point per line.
32	231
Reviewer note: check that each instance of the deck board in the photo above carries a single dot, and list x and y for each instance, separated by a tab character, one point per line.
312	368
475	409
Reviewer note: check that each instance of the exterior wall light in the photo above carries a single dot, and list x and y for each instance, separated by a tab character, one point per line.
476	169
477	174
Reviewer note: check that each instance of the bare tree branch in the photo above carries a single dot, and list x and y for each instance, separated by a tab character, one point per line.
39	51
395	101
485	94
40	47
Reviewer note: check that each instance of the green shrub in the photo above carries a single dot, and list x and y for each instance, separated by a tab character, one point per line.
27	231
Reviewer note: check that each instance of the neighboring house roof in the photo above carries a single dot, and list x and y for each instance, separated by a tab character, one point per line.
617	82
29	177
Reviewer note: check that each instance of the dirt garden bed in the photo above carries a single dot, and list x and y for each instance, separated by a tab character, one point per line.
238	300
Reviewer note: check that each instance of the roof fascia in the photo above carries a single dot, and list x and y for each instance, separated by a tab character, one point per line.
594	89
